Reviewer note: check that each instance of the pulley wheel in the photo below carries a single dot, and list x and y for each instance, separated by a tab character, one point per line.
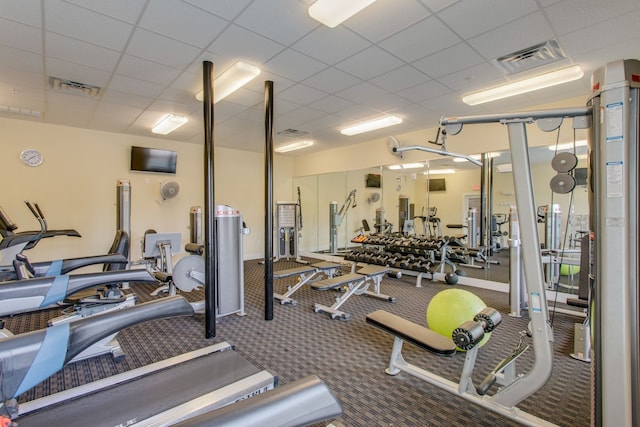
564	162
182	277
562	183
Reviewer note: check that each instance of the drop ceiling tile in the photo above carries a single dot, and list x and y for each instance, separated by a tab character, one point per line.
124	10
134	67
20	36
598	36
182	22
108	116
304	114
163	50
227	109
424	91
373	97
437	5
246	97
570	15
284	24
225	9
474	78
331	104
468	18
78	52
452	59
331	45
369	63
389	18
77	73
25	12
135	86
294	65
236	42
17	59
400	78
22	79
514	36
302	94
116	97
82	24
422	39
331	80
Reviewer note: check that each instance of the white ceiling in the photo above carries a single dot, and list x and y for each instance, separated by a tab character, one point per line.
411	58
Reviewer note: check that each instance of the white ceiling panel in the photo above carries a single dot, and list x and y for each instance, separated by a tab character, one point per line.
163	50
123	10
161	15
414	58
20	36
388	16
331	45
83	24
422	39
79	52
448	61
468	18
286	23
236	42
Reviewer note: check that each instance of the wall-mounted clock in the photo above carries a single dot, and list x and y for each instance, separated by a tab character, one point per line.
31	157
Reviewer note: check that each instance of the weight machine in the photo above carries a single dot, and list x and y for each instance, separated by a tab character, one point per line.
336	217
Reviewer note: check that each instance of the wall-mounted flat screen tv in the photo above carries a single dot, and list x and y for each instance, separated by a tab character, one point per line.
437	184
373	180
153	160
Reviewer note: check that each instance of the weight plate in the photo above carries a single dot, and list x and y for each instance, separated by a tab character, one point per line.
182	277
562	183
564	162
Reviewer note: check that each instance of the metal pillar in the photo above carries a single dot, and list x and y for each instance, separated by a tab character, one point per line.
268	200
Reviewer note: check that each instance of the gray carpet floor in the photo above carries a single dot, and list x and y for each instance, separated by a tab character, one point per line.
350	356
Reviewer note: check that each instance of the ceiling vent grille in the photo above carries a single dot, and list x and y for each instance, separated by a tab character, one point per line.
74	88
532	57
293	133
18	112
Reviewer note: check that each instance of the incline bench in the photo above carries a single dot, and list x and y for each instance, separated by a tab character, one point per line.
357	283
306	274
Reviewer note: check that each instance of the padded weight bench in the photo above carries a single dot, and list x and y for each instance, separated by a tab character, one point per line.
306	274
357	283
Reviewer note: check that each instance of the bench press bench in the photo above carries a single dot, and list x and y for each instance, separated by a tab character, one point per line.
356	283
306	274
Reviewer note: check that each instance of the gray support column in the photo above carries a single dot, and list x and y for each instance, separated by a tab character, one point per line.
268	200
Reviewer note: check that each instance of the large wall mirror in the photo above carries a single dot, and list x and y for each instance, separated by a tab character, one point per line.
389	193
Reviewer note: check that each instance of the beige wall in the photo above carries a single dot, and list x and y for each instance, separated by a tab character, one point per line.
76	187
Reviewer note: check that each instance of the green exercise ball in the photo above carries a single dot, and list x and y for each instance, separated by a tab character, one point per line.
569	270
450	308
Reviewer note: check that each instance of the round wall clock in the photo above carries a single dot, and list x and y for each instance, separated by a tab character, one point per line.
31	157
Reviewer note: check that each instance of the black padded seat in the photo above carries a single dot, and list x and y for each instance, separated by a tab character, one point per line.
412	333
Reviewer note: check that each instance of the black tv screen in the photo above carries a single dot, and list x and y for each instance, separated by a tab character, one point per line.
437	184
373	180
153	160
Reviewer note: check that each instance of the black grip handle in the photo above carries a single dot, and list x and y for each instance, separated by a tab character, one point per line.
483	388
39	210
31	208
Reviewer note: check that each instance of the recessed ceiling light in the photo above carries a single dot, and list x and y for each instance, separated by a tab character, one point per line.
233	78
293	146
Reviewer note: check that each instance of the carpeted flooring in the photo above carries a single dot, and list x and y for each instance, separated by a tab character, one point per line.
350	356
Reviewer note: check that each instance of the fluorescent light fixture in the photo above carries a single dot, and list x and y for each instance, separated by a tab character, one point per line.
234	77
169	123
441	171
582	156
541	81
476	156
333	12
395	167
371	125
293	146
567	145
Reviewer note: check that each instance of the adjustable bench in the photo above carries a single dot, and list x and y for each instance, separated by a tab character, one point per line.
357	283
306	274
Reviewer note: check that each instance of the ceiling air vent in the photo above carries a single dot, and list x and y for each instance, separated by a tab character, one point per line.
293	133
74	88
531	57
